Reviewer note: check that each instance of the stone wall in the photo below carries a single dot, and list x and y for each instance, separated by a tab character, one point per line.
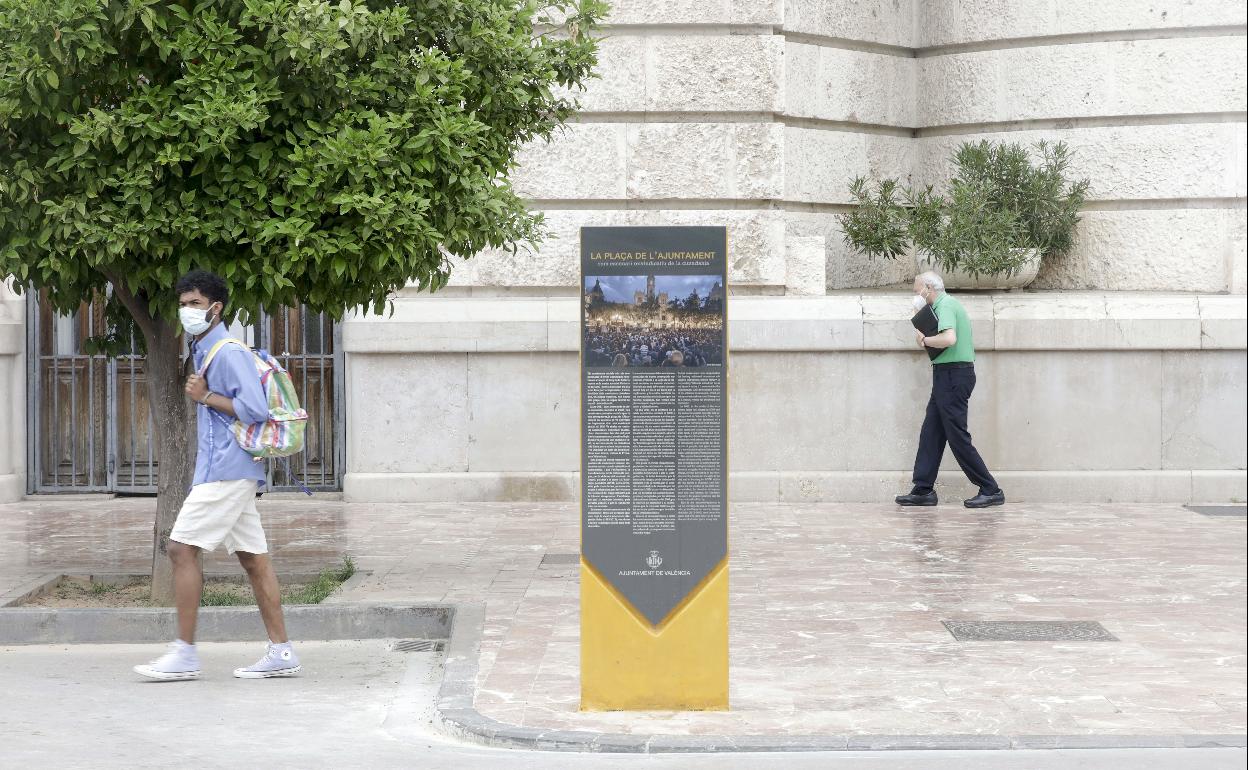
1081	397
12	396
759	114
755	114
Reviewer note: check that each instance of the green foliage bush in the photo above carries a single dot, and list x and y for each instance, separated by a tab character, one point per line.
324	153
999	208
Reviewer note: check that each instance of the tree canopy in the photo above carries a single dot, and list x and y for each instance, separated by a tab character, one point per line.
323	153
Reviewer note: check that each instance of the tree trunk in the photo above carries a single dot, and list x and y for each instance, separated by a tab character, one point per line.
175	424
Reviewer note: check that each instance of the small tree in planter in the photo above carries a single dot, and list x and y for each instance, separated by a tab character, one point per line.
1001	212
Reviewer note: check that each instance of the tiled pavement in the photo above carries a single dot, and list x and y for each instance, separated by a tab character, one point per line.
836	609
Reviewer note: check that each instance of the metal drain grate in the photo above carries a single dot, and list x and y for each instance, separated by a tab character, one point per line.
560	559
418	645
1028	631
1219	510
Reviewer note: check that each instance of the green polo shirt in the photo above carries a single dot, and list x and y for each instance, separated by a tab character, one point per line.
951	315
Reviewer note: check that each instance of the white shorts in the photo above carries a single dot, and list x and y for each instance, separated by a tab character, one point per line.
221	512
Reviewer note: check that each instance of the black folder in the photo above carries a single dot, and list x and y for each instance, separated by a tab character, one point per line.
925	321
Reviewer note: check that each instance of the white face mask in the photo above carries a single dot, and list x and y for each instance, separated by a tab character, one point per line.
194	320
918	302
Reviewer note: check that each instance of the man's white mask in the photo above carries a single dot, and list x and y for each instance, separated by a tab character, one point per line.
194	320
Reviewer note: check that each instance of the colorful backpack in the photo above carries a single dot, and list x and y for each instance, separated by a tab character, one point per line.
282	434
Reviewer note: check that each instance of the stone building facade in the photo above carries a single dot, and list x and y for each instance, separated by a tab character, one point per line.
1121	376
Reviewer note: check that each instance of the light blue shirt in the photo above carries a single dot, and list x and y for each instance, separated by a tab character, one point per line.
231	374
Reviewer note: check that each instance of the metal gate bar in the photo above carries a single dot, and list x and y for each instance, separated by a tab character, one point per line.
118	452
308	349
71	425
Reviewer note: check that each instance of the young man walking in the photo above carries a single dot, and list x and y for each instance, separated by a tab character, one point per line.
221	507
953	380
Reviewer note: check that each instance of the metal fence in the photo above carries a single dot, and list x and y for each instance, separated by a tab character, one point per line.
91	429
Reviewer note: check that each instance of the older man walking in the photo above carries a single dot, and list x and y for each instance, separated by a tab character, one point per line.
953	381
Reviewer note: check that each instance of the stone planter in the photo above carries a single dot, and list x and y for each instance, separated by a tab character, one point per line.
957	279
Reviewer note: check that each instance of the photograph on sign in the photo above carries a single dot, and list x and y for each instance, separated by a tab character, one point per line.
654	320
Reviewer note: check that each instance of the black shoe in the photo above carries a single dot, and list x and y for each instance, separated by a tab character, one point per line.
916	498
985	501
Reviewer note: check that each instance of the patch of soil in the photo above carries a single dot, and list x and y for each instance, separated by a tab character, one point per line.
77	592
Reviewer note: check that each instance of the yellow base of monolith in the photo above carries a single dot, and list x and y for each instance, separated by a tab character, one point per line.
629	665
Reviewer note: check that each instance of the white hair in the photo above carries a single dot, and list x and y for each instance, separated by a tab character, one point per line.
931	281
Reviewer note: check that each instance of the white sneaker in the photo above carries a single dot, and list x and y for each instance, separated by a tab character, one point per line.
180	662
278	660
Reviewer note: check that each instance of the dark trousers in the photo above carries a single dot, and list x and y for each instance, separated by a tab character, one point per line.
945	423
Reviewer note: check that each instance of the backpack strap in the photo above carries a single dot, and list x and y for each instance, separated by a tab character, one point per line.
212	352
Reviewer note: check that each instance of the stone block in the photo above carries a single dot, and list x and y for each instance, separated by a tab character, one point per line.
1203	160
798	437
1203	410
463	274
1182	249
806	264
459	487
851	86
11	419
846	269
564	320
523	412
672	12
704	160
847	411
820	164
1219	486
424	421
731	73
1075	411
620	82
1223	323
891	22
886	321
759	162
795	323
753	486
7	294
1096	321
1100	486
1083	80
946	22
555	261
12	487
842	486
801	76
435	324
878	486
674	160
12	337
582	160
1237	251
755	246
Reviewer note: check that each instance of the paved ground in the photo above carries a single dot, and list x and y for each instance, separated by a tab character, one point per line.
836	608
359	706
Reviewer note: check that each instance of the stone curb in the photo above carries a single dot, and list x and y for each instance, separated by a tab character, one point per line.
463	625
45	582
357	620
457	716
